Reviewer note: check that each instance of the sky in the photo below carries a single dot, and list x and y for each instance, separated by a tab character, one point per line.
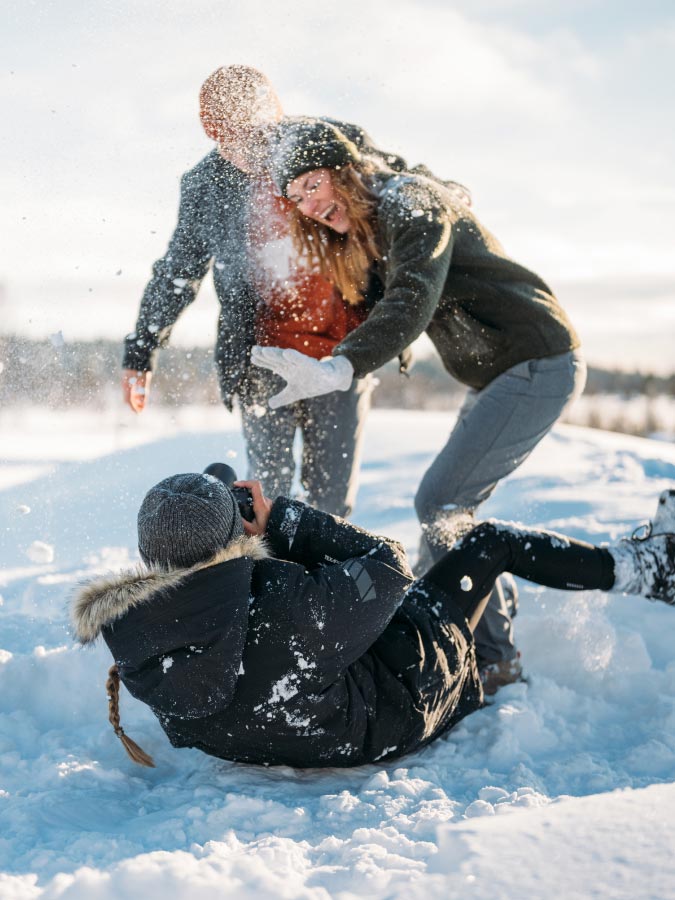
558	116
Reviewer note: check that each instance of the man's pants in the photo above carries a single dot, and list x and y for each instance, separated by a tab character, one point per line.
497	428
332	431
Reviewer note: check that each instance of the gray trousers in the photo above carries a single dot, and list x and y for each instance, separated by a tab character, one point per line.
496	430
332	431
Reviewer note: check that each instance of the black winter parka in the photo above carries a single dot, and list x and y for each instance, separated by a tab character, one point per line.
311	657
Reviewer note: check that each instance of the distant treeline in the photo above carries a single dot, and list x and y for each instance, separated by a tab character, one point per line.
87	373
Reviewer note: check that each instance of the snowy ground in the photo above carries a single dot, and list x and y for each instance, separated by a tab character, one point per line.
564	787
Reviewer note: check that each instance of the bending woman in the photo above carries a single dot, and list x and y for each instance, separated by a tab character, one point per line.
311	647
422	261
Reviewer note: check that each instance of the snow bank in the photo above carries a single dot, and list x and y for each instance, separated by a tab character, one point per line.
519	800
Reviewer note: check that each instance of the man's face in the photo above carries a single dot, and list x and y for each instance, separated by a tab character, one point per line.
242	143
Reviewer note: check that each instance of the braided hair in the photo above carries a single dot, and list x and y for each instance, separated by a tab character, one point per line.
112	686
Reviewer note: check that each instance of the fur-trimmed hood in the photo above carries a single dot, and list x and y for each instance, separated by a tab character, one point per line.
106	599
177	637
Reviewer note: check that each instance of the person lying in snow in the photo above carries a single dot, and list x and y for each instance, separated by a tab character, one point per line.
300	639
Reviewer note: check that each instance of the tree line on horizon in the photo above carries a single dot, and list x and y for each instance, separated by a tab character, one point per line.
61	374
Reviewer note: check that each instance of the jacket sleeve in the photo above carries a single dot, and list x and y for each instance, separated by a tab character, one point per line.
299	533
341	596
174	284
417	243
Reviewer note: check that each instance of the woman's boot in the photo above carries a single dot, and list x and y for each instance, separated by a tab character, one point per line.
644	564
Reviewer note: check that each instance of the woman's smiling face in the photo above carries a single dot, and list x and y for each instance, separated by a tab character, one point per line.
314	195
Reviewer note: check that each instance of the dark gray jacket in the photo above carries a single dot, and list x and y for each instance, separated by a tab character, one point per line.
213	226
444	273
312	658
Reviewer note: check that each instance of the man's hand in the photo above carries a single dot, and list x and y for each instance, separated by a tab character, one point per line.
136	388
262	507
304	375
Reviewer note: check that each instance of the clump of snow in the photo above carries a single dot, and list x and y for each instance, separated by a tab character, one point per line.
40	552
466	583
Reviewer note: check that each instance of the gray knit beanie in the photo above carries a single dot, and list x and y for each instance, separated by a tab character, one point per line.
305	144
186	519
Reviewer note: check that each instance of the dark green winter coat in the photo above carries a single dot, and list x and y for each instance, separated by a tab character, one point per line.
312	657
444	273
213	227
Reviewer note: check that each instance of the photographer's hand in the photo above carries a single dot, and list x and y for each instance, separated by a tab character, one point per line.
262	507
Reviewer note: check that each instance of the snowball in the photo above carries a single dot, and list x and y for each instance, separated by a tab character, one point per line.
479	808
39	552
466	583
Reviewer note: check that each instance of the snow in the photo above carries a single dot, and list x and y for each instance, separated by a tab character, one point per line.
39	552
562	787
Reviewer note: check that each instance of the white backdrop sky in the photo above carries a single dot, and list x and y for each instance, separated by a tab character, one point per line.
558	115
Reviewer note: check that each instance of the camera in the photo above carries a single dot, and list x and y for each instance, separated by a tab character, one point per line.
242	495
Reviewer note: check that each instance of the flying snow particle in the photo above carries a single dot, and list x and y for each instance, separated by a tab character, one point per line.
39	552
466	583
167	662
57	340
23	509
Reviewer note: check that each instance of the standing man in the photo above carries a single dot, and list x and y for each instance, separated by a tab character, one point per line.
231	217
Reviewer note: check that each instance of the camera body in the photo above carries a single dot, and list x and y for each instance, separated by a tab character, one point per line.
242	495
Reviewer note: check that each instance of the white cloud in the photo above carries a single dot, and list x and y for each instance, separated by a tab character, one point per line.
558	133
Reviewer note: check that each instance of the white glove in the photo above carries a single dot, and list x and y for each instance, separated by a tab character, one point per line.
304	375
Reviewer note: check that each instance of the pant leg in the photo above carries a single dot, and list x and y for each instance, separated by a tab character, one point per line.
268	433
332	431
468	571
496	431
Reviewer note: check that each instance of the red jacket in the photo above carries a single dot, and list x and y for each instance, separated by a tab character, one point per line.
299	308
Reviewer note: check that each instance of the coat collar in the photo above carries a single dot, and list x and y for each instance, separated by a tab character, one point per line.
104	600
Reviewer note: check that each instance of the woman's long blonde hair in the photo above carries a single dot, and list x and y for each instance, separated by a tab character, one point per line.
344	259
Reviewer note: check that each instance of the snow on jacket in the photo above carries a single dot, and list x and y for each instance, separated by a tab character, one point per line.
307	659
444	273
213	227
